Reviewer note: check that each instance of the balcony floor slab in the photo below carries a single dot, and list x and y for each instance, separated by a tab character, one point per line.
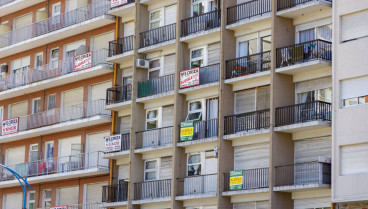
113	204
301	187
153	149
196	196
201	34
246	134
247	191
250	22
119	106
196	89
309	66
196	142
123	10
312	125
121	57
161	46
155	97
306	8
116	155
147	201
17	5
250	81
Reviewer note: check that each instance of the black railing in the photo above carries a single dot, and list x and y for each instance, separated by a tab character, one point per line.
303	173
156	85
305	112
202	22
154	137
209	74
128	2
125	142
286	4
118	94
247	10
251	64
121	45
252	179
115	193
303	52
247	121
158	35
152	189
205	129
201	184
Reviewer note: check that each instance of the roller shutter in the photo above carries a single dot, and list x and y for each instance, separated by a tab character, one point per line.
251	156
213	53
65	145
168	116
19	109
15	155
170	15
351	159
98	91
75	45
309	150
94	192
128	29
354	87
317	202
23	21
252	205
123	171
73	97
354	25
169	64
125	124
13	201
96	142
166	168
68	196
210	163
102	41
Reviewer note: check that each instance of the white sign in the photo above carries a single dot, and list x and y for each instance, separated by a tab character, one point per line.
113	143
116	3
60	207
10	126
189	78
82	61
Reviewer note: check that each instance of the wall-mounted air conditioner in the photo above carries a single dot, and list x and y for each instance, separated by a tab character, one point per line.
141	63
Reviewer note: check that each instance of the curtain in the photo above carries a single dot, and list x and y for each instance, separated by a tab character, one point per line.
306	35
243	49
324	33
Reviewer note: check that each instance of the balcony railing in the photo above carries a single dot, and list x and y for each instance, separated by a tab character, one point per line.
286	4
60	115
205	129
209	74
59	68
155	137
156	85
115	193
247	10
202	22
248	65
121	45
152	189
197	185
3	2
303	52
247	121
55	23
128	2
125	143
301	113
118	94
303	173
158	35
252	179
50	166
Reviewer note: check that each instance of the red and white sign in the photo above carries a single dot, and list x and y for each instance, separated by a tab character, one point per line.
113	143
189	78
60	207
116	3
82	61
10	126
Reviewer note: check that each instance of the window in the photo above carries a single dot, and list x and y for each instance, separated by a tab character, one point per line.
353	159
323	95
152	119
202	6
247	48
51	102
194	164
154	68
155	19
36	105
49	150
354	91
197	58
54	58
266	43
1	113
195	110
47	198
33	153
151	170
21	65
38	60
127	80
354	26
56	11
252	99
322	32
31	200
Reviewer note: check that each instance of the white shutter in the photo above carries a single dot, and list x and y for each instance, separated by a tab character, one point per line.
354	25
96	142
354	87
73	97
210	163
351	159
15	155
170	15
309	150
13	201
72	5
102	41
23	21
252	205
125	124
316	202
213	54
128	29
19	109
74	46
251	156
167	116
169	64
166	168
312	85
68	196
94	192
123	171
65	145
245	101
98	91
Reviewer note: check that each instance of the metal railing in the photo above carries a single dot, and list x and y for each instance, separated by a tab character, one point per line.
115	193
158	35
121	45
252	179
60	115
286	4
305	112
156	85
62	164
125	143
193	185
247	10
152	189
51	70
209	74
3	2
128	2
118	94
303	52
247	65
55	23
202	22
205	129
154	137
247	121
303	173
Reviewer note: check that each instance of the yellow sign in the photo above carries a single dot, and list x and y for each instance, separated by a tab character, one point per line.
186	131
236	180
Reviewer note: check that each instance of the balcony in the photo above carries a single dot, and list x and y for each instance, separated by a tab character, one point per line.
254	181
202	24
115	195
303	117
203	132
296	8
159	37
126	9
156	88
60	119
59	168
11	6
311	56
121	50
247	124
303	176
51	75
124	149
55	28
119	97
154	139
152	191
194	187
82	206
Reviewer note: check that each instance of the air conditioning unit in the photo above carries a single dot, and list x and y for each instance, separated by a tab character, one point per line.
141	63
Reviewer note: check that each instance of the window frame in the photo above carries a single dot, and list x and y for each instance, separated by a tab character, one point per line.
45	199
159	69
200	163
48	101
36	61
33	105
203	57
54	59
255	97
202	111
157	169
158	117
152	21
29	201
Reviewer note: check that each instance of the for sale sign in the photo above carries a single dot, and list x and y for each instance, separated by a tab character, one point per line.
60	207
116	3
82	61
186	131
113	143
236	180
10	126
189	78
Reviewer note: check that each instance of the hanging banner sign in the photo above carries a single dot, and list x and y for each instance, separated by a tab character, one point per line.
116	3
10	126
113	143
82	61
186	131
236	180
189	78
60	207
